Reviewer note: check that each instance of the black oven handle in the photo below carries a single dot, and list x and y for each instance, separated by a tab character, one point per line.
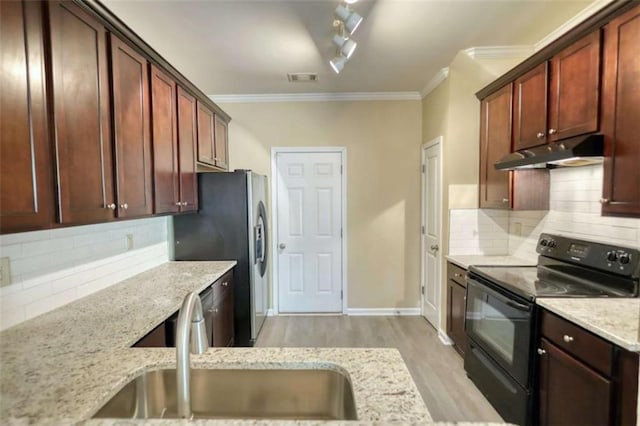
505	299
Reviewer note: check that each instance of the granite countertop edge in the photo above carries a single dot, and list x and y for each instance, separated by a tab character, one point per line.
61	367
616	320
466	260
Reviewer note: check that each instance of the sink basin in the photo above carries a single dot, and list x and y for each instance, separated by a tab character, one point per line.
314	394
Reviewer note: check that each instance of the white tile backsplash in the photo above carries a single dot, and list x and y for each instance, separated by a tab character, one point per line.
574	211
54	267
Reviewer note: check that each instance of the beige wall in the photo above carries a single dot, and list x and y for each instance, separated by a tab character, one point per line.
383	182
453	111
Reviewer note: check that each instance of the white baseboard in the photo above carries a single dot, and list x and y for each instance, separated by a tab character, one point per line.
444	338
383	311
271	312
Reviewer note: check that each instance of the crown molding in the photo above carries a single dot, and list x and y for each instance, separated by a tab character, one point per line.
435	82
499	52
581	16
317	97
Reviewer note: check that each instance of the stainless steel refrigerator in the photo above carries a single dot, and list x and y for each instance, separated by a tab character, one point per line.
231	224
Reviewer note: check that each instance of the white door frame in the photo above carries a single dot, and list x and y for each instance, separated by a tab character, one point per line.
423	209
274	216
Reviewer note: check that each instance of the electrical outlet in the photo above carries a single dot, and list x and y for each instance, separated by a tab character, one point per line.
129	241
5	272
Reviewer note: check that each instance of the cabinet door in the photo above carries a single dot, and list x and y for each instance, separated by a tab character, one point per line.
575	89
222	144
206	135
82	118
165	142
156	338
495	143
530	109
187	136
456	301
130	79
621	115
571	393
223	320
26	177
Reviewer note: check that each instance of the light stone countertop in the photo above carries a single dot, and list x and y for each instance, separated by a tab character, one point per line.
466	260
61	367
616	320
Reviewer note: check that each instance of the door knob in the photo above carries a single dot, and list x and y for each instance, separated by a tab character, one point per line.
435	247
282	246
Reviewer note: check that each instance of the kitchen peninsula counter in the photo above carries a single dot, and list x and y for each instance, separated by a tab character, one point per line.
61	367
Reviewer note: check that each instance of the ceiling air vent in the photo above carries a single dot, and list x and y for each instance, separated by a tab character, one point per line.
302	77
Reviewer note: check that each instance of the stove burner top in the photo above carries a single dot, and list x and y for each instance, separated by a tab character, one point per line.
550	289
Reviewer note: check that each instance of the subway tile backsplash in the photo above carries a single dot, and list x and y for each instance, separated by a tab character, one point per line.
574	211
54	267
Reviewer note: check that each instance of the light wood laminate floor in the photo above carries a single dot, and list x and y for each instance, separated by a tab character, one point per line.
437	369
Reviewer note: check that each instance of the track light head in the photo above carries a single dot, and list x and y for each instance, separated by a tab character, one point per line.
337	63
346	45
350	18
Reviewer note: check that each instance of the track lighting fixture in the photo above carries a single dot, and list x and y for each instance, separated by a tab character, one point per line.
346	45
337	63
350	19
346	22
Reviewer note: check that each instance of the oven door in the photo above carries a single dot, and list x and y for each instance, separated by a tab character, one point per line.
501	326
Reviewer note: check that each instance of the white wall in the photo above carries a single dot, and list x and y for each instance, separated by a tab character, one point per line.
54	267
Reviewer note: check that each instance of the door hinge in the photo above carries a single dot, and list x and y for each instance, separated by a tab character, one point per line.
424	168
422	289
341	297
340	168
422	229
340	232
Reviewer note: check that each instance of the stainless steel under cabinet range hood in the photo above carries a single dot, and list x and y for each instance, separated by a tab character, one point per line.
578	151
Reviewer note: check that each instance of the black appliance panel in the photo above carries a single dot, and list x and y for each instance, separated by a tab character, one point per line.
501	325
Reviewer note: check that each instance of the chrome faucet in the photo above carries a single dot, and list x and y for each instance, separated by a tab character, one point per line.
190	328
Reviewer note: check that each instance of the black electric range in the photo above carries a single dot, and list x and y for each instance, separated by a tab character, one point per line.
501	313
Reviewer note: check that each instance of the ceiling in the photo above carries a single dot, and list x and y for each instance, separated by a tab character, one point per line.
248	47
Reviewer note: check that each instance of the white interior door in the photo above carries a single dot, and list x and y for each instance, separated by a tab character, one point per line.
431	231
309	215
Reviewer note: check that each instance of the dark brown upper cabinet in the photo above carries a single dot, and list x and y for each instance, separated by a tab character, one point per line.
500	189
26	172
559	99
130	79
187	140
621	115
206	135
575	89
221	143
82	116
165	142
530	109
495	143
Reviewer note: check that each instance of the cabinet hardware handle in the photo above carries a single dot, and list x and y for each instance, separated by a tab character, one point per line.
184	203
567	338
604	201
124	206
540	135
215	311
505	200
552	131
111	206
224	284
541	351
178	204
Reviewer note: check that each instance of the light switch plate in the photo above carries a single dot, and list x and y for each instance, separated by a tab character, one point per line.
5	272
129	242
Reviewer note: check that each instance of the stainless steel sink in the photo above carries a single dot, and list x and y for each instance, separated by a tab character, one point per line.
317	394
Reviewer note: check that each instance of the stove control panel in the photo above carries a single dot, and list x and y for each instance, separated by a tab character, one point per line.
606	257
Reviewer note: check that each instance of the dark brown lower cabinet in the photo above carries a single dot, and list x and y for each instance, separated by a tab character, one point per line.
156	338
583	379
223	312
572	393
456	302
